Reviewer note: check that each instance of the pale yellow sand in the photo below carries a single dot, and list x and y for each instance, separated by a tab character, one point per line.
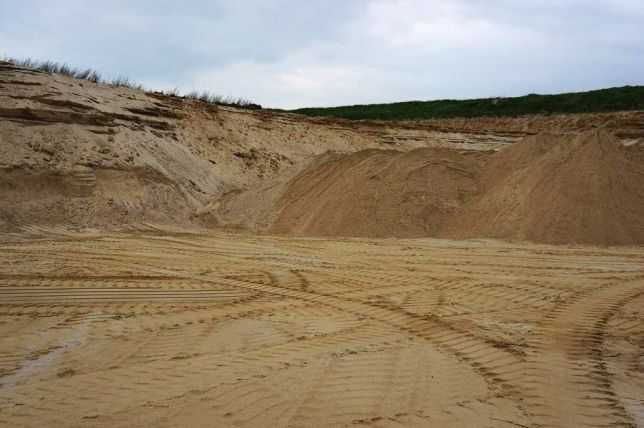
234	330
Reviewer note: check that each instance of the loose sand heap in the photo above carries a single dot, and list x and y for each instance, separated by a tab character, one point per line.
586	188
80	155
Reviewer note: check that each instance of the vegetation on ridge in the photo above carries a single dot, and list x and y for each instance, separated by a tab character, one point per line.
625	98
121	81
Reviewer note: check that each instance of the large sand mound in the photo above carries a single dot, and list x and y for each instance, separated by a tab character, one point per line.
379	193
576	189
586	188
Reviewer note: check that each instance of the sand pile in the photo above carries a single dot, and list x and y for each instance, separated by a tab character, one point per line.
379	193
586	188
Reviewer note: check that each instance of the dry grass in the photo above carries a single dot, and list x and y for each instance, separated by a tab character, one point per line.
94	76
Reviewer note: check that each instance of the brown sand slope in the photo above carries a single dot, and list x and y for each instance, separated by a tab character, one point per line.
75	153
80	155
580	189
380	193
586	188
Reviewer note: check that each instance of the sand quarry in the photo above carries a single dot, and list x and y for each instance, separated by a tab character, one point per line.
168	263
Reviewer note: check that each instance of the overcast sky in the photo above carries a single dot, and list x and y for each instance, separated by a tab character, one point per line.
295	53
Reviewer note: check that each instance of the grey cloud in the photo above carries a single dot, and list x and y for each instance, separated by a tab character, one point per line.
288	53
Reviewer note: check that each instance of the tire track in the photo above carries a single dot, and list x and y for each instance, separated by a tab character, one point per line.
280	333
36	295
568	380
496	363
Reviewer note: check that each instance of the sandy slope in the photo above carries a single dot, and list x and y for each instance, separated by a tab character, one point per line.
227	330
578	188
586	188
76	153
380	193
81	155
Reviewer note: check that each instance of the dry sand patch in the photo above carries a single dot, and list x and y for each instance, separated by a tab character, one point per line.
218	329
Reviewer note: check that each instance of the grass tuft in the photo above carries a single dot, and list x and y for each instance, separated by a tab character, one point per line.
124	82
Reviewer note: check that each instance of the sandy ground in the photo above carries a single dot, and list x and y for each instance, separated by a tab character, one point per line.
217	329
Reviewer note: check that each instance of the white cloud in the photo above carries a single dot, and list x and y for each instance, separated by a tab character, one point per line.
287	53
439	25
290	83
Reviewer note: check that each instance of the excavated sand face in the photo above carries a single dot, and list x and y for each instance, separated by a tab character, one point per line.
223	330
76	153
79	155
